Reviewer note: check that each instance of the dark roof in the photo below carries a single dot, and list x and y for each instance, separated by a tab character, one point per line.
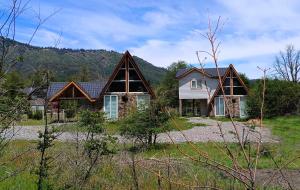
93	89
210	71
37	102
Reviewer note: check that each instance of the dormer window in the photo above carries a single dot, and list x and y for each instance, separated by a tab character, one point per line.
196	84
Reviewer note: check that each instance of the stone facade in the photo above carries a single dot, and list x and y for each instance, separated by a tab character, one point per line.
233	103
126	103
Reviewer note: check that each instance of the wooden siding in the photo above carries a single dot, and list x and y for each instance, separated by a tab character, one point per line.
186	92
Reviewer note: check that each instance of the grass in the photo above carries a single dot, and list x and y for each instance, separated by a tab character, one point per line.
287	128
111	173
182	123
113	127
226	119
31	122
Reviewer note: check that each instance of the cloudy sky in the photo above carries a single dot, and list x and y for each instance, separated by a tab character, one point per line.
163	32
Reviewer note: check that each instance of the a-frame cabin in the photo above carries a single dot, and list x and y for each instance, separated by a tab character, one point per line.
125	88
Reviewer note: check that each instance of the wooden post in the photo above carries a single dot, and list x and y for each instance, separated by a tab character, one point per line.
127	75
58	111
180	107
194	107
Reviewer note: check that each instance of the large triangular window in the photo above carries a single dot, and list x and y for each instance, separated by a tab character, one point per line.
232	85
127	79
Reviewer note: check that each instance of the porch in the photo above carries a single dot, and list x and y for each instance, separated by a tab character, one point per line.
193	107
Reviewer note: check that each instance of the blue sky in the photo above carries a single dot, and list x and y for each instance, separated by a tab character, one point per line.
162	32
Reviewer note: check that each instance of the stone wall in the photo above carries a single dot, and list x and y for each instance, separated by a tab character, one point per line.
233	103
126	103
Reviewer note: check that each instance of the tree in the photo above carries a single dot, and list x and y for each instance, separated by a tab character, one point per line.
95	144
144	124
287	64
245	79
167	91
281	97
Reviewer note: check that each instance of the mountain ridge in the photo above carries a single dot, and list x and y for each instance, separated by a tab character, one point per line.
66	63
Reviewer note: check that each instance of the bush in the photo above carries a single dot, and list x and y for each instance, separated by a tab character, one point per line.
281	98
144	124
38	115
70	108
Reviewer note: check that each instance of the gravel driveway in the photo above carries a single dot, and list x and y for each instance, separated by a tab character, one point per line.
207	133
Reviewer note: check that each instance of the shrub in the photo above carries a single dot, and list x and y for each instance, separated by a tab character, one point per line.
144	124
38	115
281	98
70	108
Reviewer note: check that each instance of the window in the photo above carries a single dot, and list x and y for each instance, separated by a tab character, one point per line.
219	105
111	106
199	84
142	101
194	83
243	111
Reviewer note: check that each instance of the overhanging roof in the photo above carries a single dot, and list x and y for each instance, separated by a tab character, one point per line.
92	89
211	72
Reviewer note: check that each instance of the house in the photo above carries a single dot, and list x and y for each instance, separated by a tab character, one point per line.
125	88
200	92
36	97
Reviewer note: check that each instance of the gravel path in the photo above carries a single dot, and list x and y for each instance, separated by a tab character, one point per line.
207	133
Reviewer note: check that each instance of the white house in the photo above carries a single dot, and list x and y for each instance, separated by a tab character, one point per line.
200	92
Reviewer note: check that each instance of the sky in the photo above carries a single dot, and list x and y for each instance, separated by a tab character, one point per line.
166	31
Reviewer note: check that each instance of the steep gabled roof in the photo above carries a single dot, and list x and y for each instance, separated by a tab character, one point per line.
231	67
129	59
210	72
91	89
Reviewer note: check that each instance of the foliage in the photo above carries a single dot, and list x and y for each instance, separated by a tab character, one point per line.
281	97
245	79
64	63
167	91
45	142
95	146
70	107
144	124
13	104
37	115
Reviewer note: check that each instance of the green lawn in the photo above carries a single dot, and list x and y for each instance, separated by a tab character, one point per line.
116	174
113	127
181	123
31	122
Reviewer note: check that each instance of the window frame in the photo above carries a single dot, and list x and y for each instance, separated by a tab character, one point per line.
193	80
219	97
144	95
108	114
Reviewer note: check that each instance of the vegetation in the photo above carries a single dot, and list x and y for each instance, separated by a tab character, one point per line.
66	64
281	98
167	91
145	123
287	128
287	64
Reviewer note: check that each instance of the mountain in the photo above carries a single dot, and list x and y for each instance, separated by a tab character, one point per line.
66	64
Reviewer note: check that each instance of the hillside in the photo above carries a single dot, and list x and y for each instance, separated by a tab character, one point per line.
65	64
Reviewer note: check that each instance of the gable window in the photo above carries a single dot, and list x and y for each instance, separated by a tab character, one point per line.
111	106
196	84
219	106
142	101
